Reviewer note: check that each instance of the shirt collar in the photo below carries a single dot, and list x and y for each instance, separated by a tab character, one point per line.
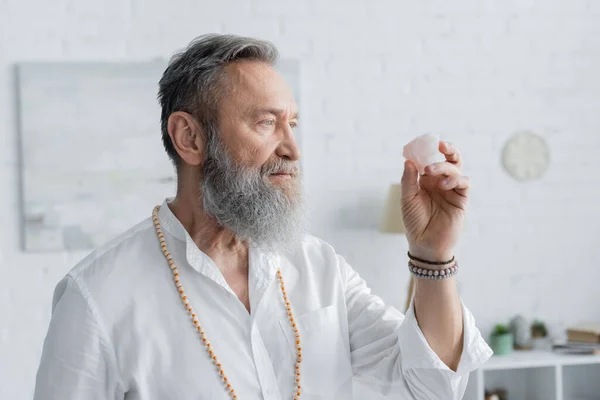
262	268
169	222
196	258
262	264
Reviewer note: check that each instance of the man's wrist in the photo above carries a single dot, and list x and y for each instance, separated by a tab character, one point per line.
433	256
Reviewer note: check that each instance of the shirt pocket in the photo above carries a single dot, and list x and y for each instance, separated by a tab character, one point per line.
325	369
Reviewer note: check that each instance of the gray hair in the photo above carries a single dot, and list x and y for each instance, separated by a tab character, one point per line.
193	80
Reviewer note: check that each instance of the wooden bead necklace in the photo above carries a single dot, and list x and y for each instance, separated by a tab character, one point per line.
221	373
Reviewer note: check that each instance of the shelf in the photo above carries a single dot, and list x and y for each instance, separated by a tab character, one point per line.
538	375
581	382
526	383
535	358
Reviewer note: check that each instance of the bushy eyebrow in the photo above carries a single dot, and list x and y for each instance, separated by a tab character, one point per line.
274	111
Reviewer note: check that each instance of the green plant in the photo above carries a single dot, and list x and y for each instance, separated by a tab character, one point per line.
501	340
538	329
500	329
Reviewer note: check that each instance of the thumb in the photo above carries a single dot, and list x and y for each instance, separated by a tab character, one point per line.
410	180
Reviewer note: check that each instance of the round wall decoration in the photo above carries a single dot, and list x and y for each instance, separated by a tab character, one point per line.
526	156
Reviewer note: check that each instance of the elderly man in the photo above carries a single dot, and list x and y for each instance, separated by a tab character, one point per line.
220	294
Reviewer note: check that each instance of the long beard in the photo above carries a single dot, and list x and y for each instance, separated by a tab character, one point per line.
244	201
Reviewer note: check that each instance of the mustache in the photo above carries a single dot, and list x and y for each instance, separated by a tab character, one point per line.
280	166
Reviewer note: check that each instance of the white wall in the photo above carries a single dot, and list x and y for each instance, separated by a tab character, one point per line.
375	74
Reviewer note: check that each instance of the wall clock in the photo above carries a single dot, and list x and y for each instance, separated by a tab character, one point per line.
526	156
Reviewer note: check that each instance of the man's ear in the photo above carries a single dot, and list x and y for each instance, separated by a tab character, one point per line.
187	137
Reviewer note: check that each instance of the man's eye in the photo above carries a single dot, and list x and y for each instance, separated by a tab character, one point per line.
269	122
293	124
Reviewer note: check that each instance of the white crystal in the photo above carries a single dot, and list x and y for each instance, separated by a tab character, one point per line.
423	151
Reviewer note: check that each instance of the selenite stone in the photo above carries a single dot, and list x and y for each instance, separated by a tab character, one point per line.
423	151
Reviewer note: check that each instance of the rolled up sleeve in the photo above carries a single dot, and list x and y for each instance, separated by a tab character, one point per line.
390	354
426	375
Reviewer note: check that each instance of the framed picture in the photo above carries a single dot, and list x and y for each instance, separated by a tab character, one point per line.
92	162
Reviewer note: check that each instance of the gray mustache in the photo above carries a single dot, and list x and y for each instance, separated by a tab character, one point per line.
281	167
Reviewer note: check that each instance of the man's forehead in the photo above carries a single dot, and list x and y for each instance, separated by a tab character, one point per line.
247	73
261	83
256	77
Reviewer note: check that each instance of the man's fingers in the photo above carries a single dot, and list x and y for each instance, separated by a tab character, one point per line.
464	183
410	180
449	183
451	153
458	183
442	168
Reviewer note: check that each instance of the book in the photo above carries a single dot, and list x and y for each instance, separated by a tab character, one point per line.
577	348
587	333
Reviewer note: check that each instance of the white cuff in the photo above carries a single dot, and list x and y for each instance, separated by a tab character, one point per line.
416	352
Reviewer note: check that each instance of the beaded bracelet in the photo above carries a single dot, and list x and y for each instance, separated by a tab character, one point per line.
424	273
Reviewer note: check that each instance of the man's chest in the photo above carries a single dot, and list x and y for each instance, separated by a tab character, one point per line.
238	282
162	355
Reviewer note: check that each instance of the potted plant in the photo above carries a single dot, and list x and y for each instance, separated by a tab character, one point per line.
538	329
539	334
501	340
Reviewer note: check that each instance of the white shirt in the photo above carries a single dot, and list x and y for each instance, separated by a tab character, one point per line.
119	329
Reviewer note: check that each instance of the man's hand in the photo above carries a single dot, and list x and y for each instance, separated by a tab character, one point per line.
434	205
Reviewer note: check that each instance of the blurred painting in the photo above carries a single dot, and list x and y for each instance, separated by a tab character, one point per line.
92	161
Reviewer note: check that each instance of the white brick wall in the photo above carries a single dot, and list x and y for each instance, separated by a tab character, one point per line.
375	74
